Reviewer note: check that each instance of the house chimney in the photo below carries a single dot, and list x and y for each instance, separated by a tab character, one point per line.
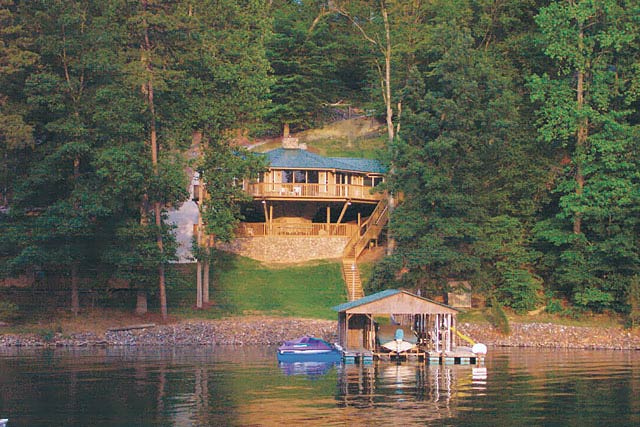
291	143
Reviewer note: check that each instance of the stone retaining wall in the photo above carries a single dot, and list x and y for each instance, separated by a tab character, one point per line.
287	249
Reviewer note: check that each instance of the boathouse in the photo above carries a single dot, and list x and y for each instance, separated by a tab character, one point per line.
432	323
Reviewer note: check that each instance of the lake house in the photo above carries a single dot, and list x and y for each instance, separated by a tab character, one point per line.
307	206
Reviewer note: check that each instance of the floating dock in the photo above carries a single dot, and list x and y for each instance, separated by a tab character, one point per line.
455	357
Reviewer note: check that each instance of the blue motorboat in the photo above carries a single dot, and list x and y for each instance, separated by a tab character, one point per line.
308	348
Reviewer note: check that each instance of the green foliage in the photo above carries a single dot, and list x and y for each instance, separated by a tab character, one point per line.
47	334
509	259
554	306
583	109
224	168
497	317
313	62
509	179
87	191
466	164
633	299
8	311
384	275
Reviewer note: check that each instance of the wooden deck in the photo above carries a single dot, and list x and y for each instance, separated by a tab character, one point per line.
320	192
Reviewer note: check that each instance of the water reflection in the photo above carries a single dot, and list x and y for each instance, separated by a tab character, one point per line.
206	386
413	393
310	369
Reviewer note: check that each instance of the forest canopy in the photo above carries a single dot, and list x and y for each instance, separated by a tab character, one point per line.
512	133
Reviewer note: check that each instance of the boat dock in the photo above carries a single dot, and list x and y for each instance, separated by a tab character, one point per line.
455	357
398	325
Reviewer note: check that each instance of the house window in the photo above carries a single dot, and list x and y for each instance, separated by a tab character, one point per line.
287	176
299	177
342	178
312	177
372	181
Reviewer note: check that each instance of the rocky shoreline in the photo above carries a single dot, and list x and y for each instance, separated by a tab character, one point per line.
273	331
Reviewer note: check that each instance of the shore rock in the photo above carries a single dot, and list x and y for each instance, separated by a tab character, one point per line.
233	331
554	336
273	331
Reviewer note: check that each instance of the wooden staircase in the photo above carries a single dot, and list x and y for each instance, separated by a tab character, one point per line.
372	229
351	275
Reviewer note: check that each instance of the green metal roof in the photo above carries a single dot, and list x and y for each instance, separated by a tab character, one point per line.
361	165
303	159
366	300
381	295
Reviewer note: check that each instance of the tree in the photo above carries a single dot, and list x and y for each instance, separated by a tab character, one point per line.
315	63
16	58
228	90
57	197
584	108
156	32
465	161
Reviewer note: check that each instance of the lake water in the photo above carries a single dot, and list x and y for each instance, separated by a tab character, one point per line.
247	387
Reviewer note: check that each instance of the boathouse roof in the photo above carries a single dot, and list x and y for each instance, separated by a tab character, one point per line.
303	159
394	301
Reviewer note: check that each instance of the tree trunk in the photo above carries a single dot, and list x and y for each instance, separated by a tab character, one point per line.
161	279
391	242
75	292
385	84
5	179
582	133
200	243
205	279
199	284
154	159
141	303
387	73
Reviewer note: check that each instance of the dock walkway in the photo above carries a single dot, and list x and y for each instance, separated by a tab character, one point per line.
460	356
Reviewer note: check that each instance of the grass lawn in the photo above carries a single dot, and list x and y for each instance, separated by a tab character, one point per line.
369	148
334	144
366	148
244	286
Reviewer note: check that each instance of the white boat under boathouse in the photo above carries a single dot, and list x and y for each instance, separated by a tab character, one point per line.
396	324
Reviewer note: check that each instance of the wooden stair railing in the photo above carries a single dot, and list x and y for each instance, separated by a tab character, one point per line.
373	225
357	244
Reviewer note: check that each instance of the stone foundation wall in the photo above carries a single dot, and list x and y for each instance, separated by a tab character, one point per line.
287	249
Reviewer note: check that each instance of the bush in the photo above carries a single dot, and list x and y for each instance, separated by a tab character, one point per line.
554	306
520	290
498	318
593	298
47	335
8	311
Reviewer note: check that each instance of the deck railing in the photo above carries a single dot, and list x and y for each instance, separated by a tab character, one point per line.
254	229
320	191
372	227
